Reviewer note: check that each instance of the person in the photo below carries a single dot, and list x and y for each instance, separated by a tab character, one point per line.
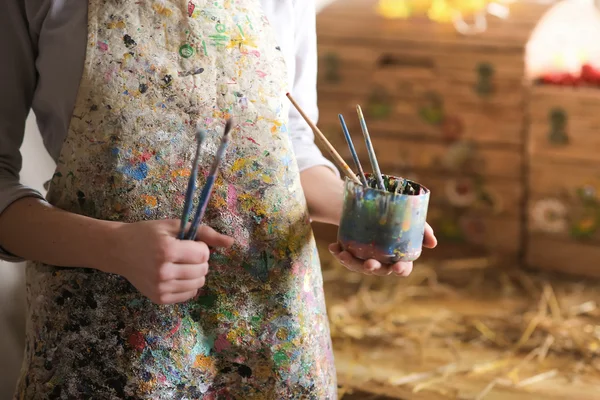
118	308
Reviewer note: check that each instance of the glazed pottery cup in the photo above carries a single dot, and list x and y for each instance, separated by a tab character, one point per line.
384	225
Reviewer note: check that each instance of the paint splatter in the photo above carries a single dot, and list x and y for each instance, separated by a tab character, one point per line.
222	343
138	173
103	46
129	42
137	341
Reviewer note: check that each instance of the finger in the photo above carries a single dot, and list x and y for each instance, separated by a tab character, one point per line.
173	298
381	270
182	286
429	239
402	268
213	238
190	252
183	272
335	248
346	260
371	265
354	264
384	271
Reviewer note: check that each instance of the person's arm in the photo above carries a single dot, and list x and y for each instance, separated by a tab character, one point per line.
322	185
147	254
320	180
29	227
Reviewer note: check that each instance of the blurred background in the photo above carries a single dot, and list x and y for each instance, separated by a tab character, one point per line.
493	105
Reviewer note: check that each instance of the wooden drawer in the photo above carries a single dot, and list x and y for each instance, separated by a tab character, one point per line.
428	115
493	197
555	254
357	68
487	216
493	235
503	96
438	157
405	153
345	69
564	217
564	200
565	123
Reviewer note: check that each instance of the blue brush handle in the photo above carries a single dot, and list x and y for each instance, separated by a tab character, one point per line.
202	203
191	188
370	149
187	208
361	173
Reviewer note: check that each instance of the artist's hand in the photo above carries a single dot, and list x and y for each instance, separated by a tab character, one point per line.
374	267
161	267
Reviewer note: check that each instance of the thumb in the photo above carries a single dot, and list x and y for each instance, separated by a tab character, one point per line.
213	238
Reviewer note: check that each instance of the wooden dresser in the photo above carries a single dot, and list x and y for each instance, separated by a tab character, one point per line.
454	113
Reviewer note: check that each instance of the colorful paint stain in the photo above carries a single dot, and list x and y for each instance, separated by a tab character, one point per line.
432	108
380	103
374	222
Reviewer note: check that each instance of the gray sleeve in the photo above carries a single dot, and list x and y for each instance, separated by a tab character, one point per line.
17	86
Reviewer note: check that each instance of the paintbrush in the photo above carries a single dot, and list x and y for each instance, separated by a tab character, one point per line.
336	157
210	181
370	149
361	173
189	195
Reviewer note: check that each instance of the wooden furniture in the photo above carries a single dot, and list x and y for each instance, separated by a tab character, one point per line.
564	180
455	113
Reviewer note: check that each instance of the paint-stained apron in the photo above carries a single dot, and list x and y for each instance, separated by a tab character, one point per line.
258	329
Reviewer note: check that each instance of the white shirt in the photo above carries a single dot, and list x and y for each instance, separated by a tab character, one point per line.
43	45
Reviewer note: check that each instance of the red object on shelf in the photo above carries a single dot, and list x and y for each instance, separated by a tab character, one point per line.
589	74
563	79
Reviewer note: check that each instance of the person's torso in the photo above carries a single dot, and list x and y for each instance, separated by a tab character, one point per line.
60	27
258	328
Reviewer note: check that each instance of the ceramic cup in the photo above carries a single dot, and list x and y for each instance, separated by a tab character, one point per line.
385	225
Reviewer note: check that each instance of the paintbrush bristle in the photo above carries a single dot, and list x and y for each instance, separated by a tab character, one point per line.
228	126
200	134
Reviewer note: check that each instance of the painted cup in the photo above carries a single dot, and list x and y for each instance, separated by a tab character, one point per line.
384	225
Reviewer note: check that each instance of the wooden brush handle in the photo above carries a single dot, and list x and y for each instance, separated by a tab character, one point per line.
336	157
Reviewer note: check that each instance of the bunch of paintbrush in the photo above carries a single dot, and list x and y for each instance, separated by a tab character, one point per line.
208	186
379	179
399	186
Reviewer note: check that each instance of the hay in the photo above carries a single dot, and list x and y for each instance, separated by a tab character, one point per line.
524	316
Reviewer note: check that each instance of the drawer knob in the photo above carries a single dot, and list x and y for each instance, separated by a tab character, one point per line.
332	68
558	127
485	75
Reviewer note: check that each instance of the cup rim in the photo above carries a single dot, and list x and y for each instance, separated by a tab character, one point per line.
425	192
